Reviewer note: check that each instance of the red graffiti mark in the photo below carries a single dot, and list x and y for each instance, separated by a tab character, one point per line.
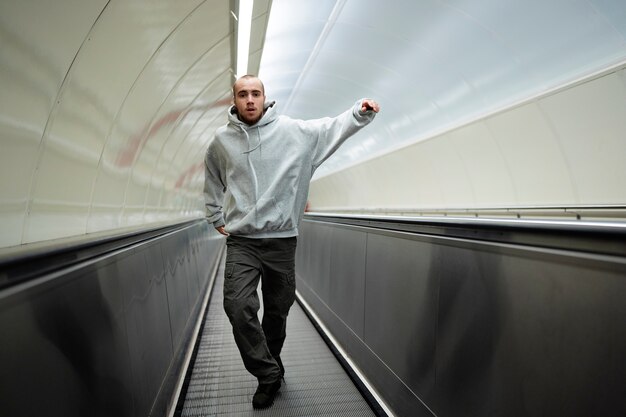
189	174
127	156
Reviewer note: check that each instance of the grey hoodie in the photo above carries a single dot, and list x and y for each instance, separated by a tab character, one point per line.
257	177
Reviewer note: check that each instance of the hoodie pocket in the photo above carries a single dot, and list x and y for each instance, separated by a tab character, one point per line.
270	217
265	216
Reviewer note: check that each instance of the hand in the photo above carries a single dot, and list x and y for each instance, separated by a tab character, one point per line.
369	104
222	231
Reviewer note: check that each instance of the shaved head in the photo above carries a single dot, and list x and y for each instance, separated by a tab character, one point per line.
249	99
247	77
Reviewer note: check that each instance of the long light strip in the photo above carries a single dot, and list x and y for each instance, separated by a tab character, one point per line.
244	23
319	44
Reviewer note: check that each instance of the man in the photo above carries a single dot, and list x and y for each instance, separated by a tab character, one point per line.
258	169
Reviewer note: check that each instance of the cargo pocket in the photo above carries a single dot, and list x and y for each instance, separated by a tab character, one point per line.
290	279
228	279
288	290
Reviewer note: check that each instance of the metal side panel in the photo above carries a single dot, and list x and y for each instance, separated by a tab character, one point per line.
398	398
92	337
147	321
401	309
529	332
345	280
177	289
315	383
458	326
319	242
64	349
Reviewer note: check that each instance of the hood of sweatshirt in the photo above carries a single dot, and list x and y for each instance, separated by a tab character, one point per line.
269	115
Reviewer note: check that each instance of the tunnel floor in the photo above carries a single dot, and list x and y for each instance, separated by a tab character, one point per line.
315	382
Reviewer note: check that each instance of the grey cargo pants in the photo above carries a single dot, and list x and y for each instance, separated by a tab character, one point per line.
273	262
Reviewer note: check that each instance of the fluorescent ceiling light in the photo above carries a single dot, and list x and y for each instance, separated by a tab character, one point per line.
244	22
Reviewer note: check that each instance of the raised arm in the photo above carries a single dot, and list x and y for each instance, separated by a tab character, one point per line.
333	131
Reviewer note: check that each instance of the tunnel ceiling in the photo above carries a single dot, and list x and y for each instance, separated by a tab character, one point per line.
107	107
106	110
433	64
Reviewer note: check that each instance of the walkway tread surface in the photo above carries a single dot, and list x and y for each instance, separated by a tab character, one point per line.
315	383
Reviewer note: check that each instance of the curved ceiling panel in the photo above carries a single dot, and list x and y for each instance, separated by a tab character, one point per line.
556	156
106	112
433	64
107	107
34	61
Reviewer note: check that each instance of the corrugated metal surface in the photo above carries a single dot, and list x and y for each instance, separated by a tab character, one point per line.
315	383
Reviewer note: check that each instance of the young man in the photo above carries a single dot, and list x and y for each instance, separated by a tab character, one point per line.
258	169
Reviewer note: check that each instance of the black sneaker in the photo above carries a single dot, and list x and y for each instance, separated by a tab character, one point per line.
265	394
280	365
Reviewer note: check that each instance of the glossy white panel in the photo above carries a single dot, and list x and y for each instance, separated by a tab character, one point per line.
171	87
107	107
33	64
198	126
534	157
614	11
260	18
104	70
441	63
293	30
486	169
590	123
189	76
565	149
451	173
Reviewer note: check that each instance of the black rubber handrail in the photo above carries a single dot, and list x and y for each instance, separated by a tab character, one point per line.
606	238
30	264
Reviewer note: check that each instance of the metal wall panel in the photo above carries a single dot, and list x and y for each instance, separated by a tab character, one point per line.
526	332
347	268
203	258
145	299
64	350
318	266
189	268
401	308
94	338
468	327
470	320
177	291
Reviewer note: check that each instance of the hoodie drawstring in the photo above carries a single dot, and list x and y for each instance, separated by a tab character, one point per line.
247	153
248	138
